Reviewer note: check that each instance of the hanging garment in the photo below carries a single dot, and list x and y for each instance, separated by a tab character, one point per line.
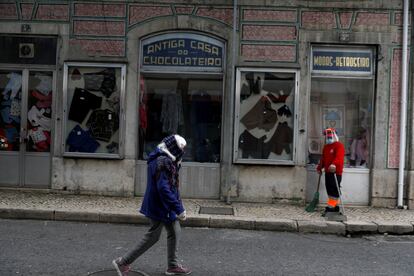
13	86
15	107
10	111
76	75
44	101
93	81
104	81
281	139
254	84
40	138
113	102
36	118
109	82
45	84
251	146
171	113
262	116
80	140
82	102
102	124
359	150
284	110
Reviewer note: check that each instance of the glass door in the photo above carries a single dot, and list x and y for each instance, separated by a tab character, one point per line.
25	127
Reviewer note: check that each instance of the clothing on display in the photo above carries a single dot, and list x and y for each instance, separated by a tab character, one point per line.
13	86
10	137
103	124
359	149
284	111
262	116
255	85
83	101
45	84
93	81
36	118
281	139
103	81
43	101
7	112
279	98
80	140
252	146
171	113
40	138
76	75
109	82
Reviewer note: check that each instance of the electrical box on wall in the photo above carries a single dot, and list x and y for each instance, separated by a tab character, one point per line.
26	50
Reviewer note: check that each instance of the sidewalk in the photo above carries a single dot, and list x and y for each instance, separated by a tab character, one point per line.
29	204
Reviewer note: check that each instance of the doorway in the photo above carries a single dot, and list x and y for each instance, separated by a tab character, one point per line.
26	127
190	105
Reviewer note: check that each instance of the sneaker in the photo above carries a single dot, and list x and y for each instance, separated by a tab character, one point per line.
178	270
122	270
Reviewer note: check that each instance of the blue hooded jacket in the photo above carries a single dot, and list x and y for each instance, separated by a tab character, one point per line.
162	200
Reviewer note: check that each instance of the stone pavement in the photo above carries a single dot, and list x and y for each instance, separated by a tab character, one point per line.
49	205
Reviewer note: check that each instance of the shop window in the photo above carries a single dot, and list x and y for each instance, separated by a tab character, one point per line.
10	110
39	115
342	93
346	105
265	116
93	104
188	106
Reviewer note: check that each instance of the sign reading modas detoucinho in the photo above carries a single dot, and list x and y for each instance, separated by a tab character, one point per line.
348	61
182	52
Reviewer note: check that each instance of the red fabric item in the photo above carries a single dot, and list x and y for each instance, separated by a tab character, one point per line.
143	121
332	154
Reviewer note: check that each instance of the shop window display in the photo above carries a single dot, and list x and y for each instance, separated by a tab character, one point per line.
346	105
265	108
39	115
10	110
93	94
188	106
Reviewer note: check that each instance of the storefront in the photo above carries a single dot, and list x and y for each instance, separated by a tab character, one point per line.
250	87
342	96
27	85
181	91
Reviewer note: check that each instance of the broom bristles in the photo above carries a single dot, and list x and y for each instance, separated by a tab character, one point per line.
312	205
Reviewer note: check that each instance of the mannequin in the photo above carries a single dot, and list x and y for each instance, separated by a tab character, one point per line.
359	148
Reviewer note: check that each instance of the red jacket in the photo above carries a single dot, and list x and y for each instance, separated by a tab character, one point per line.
332	154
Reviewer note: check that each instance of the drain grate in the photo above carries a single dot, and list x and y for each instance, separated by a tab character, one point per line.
217	211
112	272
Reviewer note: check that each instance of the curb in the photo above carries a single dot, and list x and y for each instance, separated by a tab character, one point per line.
277	225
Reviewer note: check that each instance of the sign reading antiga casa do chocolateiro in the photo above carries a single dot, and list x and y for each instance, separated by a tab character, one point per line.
183	52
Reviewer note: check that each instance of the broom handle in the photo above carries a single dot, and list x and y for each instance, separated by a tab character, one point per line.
319	182
340	195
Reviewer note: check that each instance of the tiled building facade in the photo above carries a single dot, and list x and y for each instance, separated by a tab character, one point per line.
274	43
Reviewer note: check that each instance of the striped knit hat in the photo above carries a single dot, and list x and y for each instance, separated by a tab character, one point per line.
175	145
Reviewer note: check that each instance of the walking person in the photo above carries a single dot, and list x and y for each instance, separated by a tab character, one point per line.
332	161
162	205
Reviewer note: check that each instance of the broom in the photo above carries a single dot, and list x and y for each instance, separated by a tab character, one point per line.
312	205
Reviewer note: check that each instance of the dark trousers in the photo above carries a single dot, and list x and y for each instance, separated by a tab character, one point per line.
152	236
330	184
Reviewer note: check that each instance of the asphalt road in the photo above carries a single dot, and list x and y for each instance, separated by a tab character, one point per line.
32	247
